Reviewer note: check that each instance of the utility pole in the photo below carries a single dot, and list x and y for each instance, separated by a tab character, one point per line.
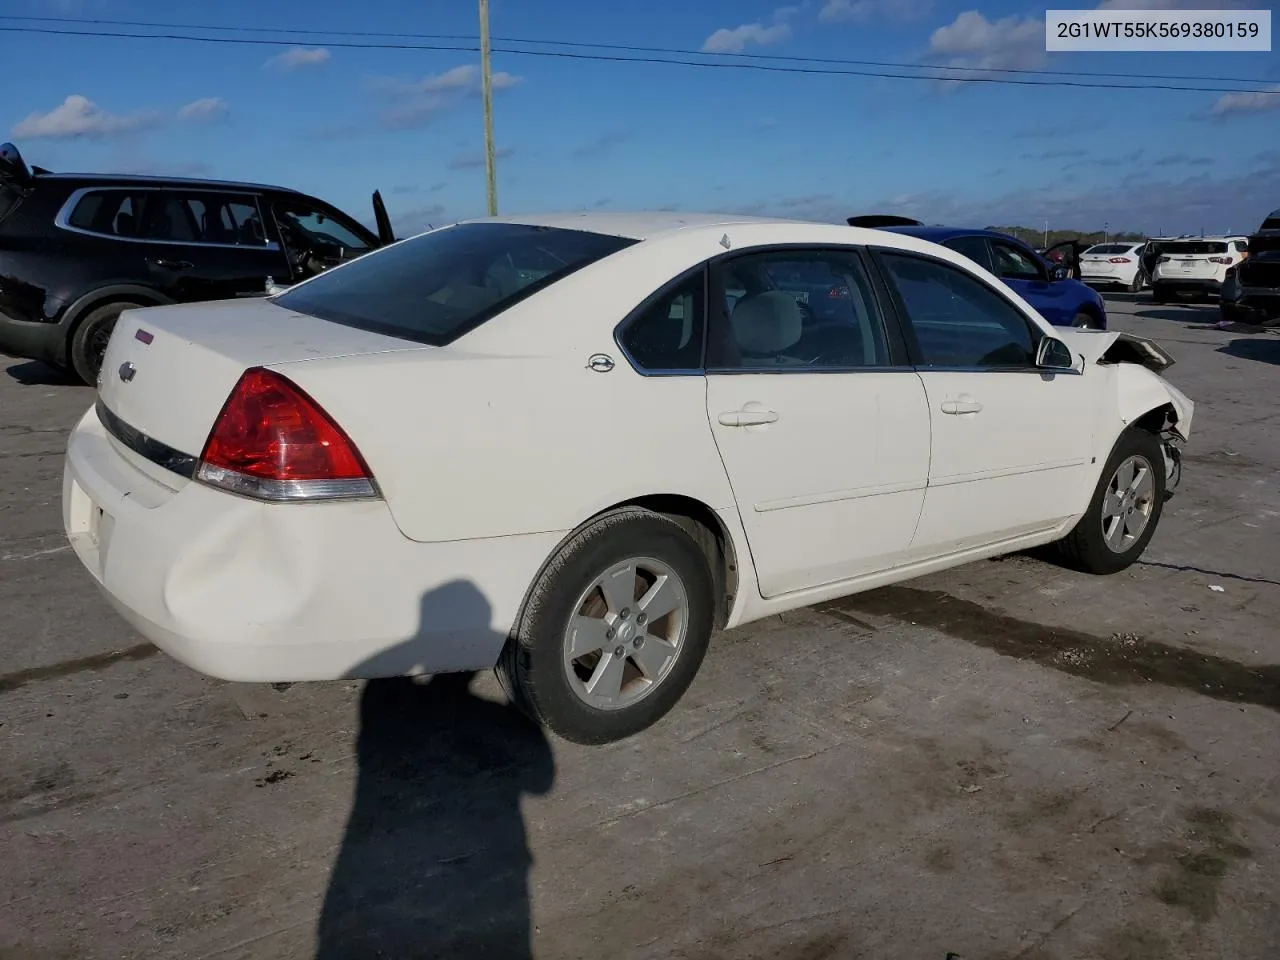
486	90
1046	231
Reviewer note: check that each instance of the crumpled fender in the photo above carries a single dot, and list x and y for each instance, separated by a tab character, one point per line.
1138	364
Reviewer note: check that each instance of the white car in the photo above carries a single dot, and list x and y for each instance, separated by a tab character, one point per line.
1114	264
550	445
1195	265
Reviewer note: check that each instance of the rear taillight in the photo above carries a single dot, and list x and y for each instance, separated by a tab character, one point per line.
273	442
1121	260
1222	260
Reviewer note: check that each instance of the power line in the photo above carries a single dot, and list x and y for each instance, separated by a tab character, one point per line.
749	60
606	58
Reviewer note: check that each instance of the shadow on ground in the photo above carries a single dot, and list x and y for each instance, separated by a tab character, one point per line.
33	373
1264	350
435	859
1191	313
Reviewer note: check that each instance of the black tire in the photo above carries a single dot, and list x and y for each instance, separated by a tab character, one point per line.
1137	283
532	666
1085	320
1085	547
89	342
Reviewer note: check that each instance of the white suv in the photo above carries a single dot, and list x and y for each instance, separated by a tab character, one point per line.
1195	265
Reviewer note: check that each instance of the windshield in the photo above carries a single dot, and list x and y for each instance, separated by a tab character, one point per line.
1195	247
435	287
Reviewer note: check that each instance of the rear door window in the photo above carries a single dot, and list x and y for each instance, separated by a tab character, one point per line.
436	287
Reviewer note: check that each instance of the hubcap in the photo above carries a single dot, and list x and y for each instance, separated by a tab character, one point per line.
626	633
1127	504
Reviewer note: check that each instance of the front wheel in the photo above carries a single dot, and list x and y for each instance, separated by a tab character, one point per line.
1125	509
614	629
1085	320
89	342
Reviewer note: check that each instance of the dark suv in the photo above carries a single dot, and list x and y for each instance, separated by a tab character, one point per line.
1251	288
78	249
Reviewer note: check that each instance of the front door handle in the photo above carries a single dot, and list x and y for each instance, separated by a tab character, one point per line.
747	418
172	264
961	406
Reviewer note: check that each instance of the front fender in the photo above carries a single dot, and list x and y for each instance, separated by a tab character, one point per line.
1139	391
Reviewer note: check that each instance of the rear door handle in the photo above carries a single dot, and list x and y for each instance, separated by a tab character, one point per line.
961	406
747	418
172	264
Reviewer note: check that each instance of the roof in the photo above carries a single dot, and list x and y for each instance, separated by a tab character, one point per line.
938	234
642	225
106	179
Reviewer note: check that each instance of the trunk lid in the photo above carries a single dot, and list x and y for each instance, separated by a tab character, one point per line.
168	370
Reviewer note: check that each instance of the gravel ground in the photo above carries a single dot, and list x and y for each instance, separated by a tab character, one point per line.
1007	760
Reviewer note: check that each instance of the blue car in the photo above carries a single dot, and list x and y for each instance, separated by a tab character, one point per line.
1061	299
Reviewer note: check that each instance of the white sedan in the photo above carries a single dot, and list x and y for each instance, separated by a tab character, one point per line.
1114	264
572	447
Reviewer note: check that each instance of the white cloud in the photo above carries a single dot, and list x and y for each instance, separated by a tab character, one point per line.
1256	101
78	116
972	41
417	102
760	34
297	57
835	11
203	110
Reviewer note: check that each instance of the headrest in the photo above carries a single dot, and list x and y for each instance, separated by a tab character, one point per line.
768	322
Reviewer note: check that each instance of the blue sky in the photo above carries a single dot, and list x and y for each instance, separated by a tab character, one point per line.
338	122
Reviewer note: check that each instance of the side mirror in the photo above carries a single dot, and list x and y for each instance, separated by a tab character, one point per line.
1053	354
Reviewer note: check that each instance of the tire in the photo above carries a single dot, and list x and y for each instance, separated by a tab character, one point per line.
89	342
1086	320
1137	283
536	668
1086	548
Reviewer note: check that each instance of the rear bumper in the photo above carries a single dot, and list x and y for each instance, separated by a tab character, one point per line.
1101	279
1189	284
248	591
33	341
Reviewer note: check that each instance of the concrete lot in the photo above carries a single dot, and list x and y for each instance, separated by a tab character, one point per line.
1004	761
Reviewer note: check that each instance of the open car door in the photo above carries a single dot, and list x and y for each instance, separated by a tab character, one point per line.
1071	253
13	169
385	234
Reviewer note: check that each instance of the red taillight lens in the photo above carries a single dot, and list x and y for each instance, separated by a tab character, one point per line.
1120	260
274	442
838	292
1221	260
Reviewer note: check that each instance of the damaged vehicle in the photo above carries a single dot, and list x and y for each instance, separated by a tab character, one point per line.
76	250
1251	288
291	488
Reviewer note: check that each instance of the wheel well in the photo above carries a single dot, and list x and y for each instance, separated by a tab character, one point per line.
125	297
1155	420
701	523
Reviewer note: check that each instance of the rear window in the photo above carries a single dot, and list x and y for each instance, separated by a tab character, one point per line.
1195	247
434	288
1110	248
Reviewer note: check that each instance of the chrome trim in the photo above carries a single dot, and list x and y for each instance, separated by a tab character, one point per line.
149	448
63	215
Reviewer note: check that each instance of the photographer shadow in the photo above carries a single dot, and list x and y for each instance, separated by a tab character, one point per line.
435	859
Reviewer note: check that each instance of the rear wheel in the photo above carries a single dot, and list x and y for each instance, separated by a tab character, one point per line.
614	629
1137	283
89	342
1125	509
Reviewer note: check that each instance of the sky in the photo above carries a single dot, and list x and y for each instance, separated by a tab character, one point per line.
338	122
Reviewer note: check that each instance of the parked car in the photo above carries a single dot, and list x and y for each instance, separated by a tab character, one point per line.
1114	264
1251	288
1151	253
440	457
78	249
1061	298
1195	266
